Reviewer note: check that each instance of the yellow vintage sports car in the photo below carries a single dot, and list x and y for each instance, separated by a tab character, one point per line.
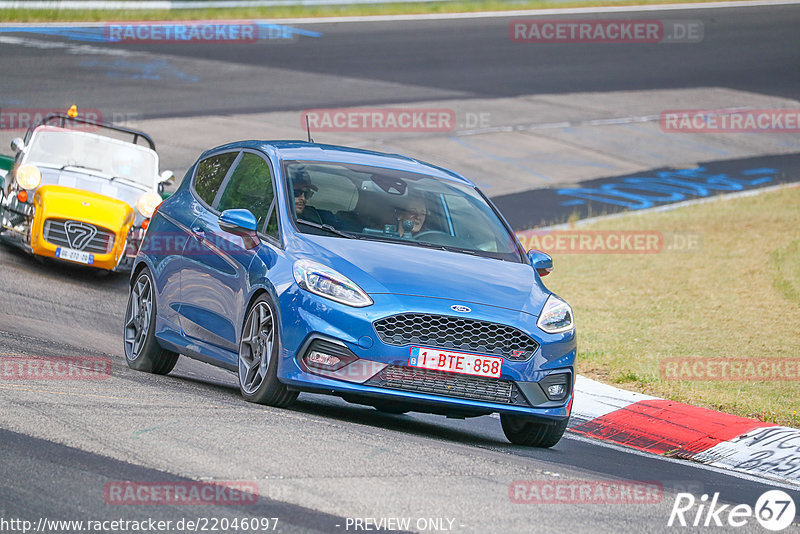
81	191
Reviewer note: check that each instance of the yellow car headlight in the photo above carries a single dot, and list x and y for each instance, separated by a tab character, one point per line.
28	176
148	203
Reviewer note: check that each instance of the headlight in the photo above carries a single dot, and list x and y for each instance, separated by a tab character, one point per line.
326	282
29	177
147	204
556	316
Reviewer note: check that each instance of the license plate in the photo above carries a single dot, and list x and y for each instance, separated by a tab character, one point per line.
74	255
455	362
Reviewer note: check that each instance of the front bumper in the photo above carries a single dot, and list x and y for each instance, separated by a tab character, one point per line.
108	220
381	371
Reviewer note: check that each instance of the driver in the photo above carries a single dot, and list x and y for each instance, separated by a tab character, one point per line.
303	190
413	215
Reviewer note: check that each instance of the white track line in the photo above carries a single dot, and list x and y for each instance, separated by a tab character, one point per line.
546	12
70	47
473	15
613	121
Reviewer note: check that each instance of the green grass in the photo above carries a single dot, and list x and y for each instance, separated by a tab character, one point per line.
455	6
737	296
784	264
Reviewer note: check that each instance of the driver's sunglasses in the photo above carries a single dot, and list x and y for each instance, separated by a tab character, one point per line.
307	192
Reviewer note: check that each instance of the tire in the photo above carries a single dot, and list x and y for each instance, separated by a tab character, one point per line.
142	351
523	431
258	357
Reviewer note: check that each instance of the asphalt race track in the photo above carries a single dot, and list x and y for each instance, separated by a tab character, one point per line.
751	49
324	463
64	441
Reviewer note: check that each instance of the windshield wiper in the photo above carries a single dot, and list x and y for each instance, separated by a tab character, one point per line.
440	247
326	227
81	167
129	180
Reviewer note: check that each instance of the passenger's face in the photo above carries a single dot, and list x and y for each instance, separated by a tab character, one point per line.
417	213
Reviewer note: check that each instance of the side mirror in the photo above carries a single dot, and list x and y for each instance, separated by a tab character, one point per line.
17	145
540	261
242	223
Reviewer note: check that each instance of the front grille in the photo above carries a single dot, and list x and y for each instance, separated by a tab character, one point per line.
79	236
448	385
456	333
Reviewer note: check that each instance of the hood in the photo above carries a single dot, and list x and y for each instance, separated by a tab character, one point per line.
58	202
409	270
101	185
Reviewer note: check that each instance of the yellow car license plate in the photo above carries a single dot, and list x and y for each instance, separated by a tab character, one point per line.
74	255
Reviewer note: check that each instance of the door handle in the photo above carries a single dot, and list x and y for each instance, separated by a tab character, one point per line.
198	233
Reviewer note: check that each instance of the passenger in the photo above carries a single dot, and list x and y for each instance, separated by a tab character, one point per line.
412	215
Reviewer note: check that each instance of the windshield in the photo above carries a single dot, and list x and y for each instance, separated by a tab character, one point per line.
348	200
94	153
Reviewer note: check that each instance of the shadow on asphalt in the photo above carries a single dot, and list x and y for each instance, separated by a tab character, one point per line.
331	407
58	270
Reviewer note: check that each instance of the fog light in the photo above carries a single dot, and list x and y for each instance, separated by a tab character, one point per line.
557	385
328	356
321	359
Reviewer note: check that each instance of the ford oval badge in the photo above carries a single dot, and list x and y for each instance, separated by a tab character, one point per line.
460	309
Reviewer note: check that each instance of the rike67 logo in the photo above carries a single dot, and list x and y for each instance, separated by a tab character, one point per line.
774	510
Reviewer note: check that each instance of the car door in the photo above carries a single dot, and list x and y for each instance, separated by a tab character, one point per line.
206	180
214	282
167	235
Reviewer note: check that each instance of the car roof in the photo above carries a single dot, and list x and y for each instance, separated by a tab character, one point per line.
305	151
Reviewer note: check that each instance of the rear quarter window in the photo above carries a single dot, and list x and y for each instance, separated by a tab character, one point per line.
210	173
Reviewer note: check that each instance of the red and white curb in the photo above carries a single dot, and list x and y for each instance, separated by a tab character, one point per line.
678	430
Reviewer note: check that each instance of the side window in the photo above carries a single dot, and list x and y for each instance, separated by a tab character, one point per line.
210	173
272	225
249	187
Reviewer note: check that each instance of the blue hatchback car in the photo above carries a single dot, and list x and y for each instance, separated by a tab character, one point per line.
381	279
